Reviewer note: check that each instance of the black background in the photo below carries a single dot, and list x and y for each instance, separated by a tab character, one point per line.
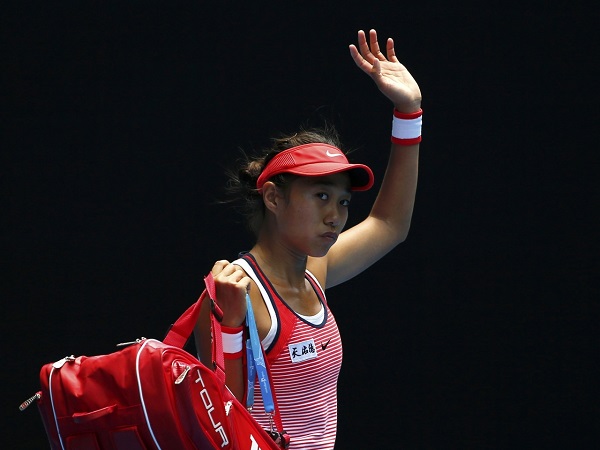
120	118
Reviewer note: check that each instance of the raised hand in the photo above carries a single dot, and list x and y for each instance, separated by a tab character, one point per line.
390	76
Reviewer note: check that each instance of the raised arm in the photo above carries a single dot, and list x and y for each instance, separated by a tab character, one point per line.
389	220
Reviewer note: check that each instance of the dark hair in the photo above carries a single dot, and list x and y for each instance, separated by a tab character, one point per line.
241	186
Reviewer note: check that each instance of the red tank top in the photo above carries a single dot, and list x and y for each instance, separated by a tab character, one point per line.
305	361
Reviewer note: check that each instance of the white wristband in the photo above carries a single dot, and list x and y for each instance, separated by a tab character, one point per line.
406	128
232	342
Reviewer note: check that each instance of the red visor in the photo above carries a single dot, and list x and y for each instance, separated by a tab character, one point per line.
313	160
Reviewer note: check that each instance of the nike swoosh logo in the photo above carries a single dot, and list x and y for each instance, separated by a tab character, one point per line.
332	154
324	346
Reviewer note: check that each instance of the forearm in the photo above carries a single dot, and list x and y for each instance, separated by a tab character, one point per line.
234	367
234	377
396	198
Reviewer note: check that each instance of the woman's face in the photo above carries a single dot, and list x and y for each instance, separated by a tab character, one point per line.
314	212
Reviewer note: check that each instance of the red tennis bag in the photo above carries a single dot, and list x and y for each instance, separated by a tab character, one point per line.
149	395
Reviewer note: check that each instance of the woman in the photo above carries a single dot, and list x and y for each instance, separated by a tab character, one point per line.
300	192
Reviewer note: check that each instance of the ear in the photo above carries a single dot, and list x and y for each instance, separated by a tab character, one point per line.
271	195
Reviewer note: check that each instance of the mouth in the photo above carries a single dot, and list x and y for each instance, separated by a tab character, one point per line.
330	236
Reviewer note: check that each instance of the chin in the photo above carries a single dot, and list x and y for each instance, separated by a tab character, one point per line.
319	253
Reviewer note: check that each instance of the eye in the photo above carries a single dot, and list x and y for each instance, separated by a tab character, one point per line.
323	195
345	202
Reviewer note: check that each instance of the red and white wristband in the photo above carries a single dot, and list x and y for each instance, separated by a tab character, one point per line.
406	128
233	342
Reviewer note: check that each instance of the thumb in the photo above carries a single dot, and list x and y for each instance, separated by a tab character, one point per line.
376	69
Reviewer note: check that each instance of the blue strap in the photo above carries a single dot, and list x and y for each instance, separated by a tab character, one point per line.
251	375
256	363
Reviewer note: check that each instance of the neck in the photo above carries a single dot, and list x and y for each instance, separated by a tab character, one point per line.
282	267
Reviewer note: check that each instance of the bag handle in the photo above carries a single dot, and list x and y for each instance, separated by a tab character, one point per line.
182	329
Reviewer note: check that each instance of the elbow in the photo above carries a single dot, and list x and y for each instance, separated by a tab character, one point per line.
401	238
402	232
396	239
395	232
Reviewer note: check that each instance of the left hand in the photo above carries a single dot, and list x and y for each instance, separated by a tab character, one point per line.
390	76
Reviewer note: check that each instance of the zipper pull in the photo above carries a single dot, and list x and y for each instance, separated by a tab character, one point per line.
61	362
23	406
127	344
181	377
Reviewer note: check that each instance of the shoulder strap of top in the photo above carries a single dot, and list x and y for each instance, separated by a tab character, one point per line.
273	331
316	286
284	318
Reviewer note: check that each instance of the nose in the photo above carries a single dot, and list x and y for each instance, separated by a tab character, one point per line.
332	220
335	218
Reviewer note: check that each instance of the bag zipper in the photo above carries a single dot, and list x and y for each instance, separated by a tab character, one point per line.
127	344
23	406
38	395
